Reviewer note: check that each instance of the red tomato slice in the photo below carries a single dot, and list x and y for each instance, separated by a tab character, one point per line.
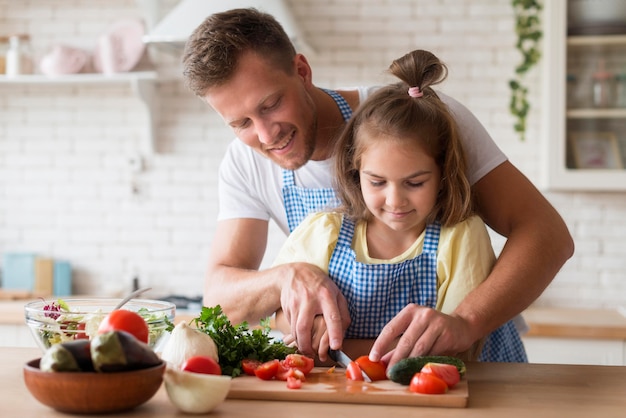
286	373
376	370
294	383
267	370
353	372
80	332
249	366
300	362
447	372
202	364
428	384
125	320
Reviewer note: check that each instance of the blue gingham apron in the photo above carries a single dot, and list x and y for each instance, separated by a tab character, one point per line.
300	201
377	292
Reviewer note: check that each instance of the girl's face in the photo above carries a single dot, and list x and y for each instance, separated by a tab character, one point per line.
399	182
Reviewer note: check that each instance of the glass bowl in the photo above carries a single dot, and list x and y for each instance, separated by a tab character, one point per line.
56	321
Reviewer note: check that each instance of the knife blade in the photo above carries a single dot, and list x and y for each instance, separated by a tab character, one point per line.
344	360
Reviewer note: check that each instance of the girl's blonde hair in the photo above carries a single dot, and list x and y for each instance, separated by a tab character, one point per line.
391	113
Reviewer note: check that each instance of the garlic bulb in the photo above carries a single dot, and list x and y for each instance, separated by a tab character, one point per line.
195	393
186	342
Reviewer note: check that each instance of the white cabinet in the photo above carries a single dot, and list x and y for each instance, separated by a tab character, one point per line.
143	84
16	336
604	352
585	129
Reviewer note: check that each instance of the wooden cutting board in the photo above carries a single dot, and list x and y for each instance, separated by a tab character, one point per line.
321	386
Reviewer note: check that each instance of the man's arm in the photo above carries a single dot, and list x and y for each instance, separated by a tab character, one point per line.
538	244
301	290
233	280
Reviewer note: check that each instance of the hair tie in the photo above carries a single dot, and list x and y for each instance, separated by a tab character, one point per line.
415	92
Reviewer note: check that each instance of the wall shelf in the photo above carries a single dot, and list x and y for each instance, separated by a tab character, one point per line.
143	84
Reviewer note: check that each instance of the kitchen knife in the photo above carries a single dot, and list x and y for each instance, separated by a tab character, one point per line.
343	360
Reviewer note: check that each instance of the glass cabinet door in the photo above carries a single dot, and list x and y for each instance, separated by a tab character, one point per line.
585	95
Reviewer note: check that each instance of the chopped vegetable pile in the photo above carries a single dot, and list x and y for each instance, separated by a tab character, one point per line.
235	343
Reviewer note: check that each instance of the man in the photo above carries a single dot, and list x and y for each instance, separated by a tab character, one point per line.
243	65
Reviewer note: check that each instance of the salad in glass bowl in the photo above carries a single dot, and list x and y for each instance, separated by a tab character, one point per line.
61	320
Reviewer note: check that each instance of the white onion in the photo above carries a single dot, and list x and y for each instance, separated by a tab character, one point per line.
186	342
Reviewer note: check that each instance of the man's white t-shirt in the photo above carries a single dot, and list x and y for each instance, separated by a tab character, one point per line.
250	185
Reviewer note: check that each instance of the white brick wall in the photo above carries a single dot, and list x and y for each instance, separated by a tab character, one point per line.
65	187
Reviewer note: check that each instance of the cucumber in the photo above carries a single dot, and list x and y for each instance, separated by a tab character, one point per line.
402	372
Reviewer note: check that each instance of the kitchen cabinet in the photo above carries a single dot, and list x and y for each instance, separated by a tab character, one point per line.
584	104
557	350
16	336
143	84
575	336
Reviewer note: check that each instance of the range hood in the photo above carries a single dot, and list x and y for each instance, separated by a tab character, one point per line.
172	32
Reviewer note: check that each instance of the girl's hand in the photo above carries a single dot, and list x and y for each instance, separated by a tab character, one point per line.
421	331
319	338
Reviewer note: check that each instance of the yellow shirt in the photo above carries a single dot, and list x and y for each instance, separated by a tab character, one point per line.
464	256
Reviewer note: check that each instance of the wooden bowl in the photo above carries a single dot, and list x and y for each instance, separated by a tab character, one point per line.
92	392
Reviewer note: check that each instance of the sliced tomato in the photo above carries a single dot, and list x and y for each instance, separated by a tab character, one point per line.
428	384
249	365
298	361
294	383
80	332
447	372
285	374
353	372
202	364
267	370
376	370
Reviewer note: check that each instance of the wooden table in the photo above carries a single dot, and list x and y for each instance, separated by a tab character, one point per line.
495	390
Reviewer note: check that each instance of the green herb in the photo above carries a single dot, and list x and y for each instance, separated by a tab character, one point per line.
529	33
236	343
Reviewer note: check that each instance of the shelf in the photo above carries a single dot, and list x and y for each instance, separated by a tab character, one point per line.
578	40
84	78
608	113
141	82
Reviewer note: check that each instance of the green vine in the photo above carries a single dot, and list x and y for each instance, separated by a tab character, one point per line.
529	33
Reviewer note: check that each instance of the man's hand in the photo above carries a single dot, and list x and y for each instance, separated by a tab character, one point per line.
308	293
422	331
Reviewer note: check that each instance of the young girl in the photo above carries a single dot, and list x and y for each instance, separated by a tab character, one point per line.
404	232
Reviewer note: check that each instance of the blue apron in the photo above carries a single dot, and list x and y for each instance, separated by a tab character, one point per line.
377	292
300	201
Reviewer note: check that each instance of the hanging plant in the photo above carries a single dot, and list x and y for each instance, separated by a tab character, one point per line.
529	33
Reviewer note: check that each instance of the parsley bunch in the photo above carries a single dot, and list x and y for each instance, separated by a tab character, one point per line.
236	343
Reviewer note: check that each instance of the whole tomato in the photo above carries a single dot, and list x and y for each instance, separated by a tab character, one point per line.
125	320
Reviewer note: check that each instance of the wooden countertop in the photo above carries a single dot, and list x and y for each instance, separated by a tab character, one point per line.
495	390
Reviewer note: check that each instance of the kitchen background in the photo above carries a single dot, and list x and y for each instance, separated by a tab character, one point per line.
79	183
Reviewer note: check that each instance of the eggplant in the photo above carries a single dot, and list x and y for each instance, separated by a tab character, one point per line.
115	351
70	356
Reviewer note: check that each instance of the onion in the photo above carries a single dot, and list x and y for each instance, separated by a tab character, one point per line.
186	342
